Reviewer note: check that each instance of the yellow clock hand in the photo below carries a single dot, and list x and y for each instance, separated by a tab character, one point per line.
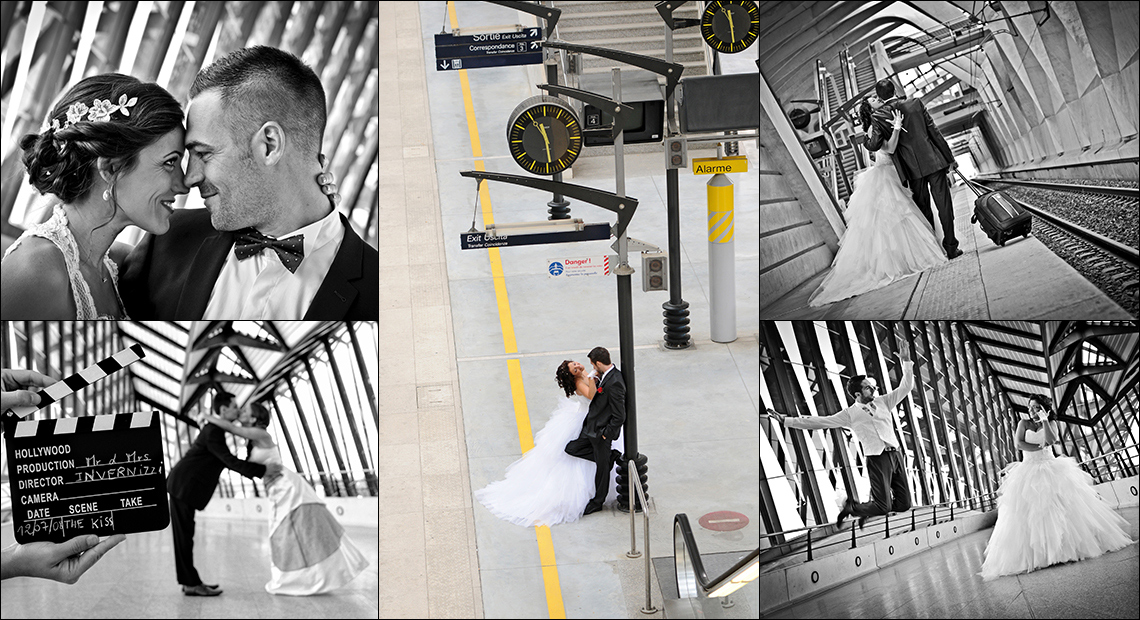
542	130
731	29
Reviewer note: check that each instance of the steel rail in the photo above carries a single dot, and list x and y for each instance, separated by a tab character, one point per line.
1124	252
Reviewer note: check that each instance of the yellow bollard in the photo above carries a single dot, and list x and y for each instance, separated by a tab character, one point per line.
722	260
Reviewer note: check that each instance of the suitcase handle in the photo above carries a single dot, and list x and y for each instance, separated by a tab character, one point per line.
968	182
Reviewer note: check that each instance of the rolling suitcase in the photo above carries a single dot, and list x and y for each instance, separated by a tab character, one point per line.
999	216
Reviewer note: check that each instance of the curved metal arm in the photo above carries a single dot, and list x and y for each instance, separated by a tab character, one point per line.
624	206
622	113
670	70
550	14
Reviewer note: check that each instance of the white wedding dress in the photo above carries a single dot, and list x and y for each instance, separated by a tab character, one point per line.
887	237
310	552
55	229
547	486
1048	513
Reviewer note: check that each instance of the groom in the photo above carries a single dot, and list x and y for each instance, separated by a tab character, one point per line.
191	484
922	157
268	245
872	419
602	424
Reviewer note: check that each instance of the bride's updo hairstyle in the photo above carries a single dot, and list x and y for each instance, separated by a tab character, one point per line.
61	159
1046	404
565	378
260	419
865	114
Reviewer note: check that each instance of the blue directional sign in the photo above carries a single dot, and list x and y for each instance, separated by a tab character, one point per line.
480	240
490	49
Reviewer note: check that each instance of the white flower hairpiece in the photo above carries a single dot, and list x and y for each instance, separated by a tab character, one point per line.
100	111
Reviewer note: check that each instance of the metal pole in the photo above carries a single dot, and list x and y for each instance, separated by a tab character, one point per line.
676	309
625	313
559	206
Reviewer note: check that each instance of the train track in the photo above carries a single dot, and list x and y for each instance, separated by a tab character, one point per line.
1092	225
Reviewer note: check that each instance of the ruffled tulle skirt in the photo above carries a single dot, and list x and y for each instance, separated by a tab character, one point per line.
1049	513
547	486
887	239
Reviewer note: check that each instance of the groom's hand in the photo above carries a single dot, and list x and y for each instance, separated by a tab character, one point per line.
272	471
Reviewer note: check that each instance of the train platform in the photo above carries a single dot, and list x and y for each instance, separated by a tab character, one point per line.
1021	280
475	336
942	582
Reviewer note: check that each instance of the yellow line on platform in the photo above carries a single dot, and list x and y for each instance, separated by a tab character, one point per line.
554	605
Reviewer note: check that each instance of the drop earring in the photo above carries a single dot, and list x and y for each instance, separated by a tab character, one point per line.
107	194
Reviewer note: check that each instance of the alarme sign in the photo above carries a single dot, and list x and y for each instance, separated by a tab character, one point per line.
570	267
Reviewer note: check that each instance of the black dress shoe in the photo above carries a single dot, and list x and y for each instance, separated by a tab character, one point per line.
212	587
843	514
952	254
591	508
199	590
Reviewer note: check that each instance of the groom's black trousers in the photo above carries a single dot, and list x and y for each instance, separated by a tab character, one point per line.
182	525
597	450
887	475
939	185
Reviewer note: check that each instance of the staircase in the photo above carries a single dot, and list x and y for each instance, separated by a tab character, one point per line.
633	27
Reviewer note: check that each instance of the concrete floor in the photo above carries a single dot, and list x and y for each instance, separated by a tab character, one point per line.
1021	280
943	583
136	579
449	420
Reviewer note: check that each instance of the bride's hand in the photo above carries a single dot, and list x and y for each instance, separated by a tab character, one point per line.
897	119
327	181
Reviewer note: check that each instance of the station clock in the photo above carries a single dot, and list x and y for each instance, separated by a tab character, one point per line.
730	26
544	135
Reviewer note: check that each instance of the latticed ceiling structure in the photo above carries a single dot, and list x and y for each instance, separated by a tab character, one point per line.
46	47
1084	365
316	378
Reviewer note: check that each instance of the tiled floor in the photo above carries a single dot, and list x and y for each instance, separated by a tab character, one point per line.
943	583
136	579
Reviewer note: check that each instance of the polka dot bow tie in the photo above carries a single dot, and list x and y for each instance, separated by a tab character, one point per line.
290	250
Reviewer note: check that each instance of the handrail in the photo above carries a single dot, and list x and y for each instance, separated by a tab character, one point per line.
635	483
691	570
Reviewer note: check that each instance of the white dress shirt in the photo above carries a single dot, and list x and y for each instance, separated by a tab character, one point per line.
873	423
603	377
260	287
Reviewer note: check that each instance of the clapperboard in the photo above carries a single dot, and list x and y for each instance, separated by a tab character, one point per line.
100	475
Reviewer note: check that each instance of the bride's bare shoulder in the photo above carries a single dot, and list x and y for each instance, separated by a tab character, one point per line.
35	282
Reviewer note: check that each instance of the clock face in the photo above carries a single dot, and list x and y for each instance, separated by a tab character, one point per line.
730	26
544	135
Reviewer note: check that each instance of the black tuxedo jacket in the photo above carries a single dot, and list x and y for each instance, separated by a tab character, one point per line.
170	276
607	409
921	151
194	478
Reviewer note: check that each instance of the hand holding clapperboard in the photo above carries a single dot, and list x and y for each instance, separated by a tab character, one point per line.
99	475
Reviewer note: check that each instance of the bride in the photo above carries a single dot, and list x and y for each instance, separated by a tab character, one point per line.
887	237
1048	511
310	553
110	153
547	486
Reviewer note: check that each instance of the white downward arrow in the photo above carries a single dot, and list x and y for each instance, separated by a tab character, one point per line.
443	64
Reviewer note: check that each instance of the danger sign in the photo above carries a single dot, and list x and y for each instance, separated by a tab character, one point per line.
583	266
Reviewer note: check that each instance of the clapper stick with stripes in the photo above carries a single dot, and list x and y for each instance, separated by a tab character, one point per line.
95	474
83	378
